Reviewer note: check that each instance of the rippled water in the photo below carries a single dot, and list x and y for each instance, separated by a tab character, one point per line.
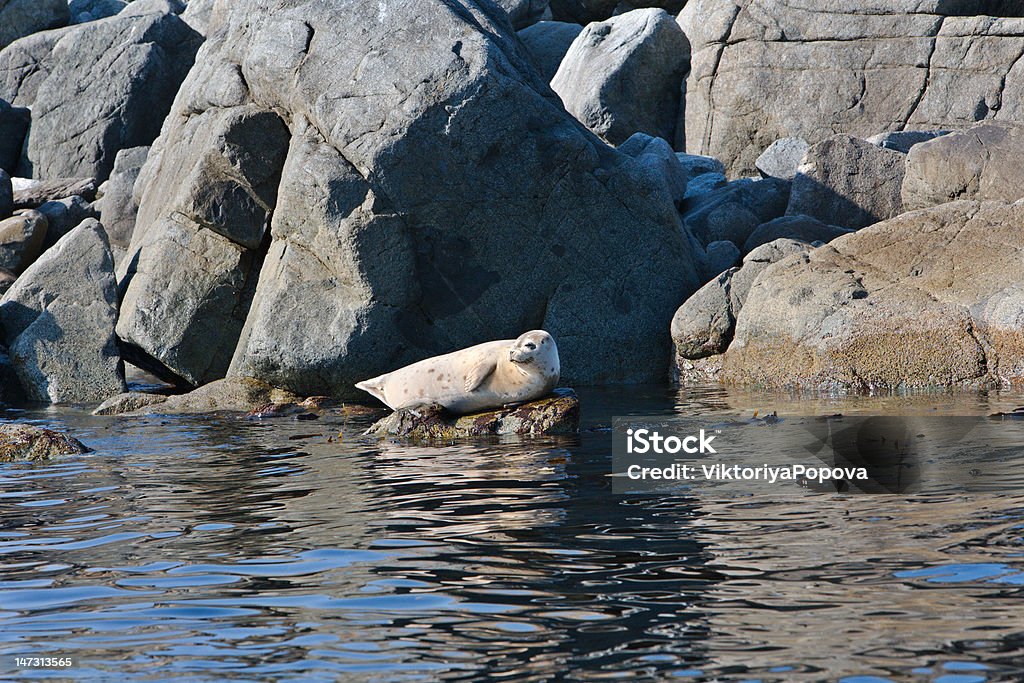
229	549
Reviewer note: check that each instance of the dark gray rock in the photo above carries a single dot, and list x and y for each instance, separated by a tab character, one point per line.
58	321
84	11
734	211
799	228
14	122
523	13
117	206
903	140
586	11
782	158
625	76
697	164
64	215
721	256
34	195
21	240
144	54
547	42
20	18
6	195
848	182
703	184
375	258
982	162
658	158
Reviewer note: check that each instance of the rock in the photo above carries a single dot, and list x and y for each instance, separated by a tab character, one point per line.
734	211
547	42
704	325
657	156
625	75
19	18
63	216
696	165
903	140
117	206
14	122
25	64
853	67
586	11
557	414
231	395
982	162
128	402
800	228
41	191
374	258
704	184
848	182
58	321
21	240
782	158
6	195
523	13
83	11
930	298
7	279
10	389
721	256
202	16
28	442
144	54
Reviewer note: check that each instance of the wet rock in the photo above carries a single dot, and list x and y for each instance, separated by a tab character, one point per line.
230	395
850	67
982	162
38	192
800	228
704	325
128	402
848	182
14	122
19	18
547	42
556	414
21	240
143	54
624	76
782	158
28	442
903	140
117	206
58	321
930	298
372	245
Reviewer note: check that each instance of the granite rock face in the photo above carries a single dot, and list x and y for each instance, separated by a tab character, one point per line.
982	162
58	322
373	257
558	414
854	68
930	298
624	76
848	182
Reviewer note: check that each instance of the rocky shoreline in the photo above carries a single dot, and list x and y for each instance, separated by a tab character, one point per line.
258	192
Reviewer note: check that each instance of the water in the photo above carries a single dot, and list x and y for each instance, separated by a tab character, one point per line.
199	549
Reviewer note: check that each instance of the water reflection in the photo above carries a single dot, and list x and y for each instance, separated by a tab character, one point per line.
226	549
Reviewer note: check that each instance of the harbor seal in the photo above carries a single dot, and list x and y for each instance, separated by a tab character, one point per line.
481	377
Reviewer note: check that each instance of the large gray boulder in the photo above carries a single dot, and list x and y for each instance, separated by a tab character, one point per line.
25	64
523	13
734	211
800	228
849	67
63	216
930	298
905	140
982	162
459	204
14	123
19	18
21	240
142	56
782	159
58	321
625	76
117	205
547	42
848	182
658	158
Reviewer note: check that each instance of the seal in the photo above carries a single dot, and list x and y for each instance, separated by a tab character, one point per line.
482	377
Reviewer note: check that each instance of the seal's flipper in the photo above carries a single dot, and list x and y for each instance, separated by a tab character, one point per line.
374	387
480	371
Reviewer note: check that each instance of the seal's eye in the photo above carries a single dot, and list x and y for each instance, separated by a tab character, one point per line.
530	346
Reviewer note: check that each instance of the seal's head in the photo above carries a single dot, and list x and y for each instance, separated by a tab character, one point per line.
537	349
